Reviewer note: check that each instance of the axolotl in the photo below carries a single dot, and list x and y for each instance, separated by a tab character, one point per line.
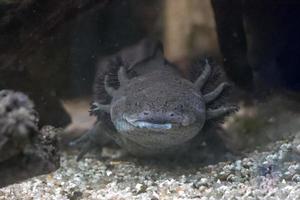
147	107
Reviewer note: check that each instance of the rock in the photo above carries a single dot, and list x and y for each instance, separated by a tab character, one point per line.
24	150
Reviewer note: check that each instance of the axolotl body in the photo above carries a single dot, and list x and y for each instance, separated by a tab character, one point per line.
155	110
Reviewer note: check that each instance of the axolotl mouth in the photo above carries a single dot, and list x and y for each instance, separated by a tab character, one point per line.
164	129
149	125
157	121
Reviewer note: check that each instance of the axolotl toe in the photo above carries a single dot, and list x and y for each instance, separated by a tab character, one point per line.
155	111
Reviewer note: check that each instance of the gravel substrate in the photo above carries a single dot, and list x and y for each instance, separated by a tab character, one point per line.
273	174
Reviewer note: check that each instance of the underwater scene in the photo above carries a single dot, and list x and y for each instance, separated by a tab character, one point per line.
138	99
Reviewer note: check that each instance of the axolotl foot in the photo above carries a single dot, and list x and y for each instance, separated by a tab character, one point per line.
92	139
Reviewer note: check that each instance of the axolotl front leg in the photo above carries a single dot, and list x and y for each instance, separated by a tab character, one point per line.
101	133
95	138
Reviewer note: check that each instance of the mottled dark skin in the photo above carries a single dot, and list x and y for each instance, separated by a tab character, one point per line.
154	112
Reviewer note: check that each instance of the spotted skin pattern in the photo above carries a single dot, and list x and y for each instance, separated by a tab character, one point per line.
154	112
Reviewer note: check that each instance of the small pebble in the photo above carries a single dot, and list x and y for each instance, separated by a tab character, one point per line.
110	179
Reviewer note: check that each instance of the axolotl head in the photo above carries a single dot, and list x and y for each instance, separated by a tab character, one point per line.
159	109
